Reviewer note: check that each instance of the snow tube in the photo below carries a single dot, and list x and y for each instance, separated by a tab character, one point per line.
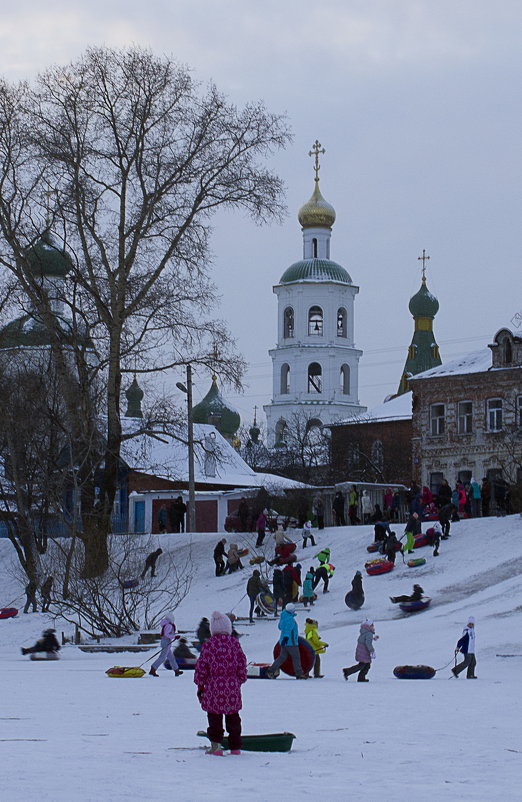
306	653
266	602
8	612
125	671
414	672
378	566
416	562
415	606
257	670
373	547
127	584
285	550
45	656
354	601
421	540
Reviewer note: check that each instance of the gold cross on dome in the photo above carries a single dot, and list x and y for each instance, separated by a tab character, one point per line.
317	148
423	259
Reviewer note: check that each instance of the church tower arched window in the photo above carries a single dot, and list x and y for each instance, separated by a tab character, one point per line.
508	351
314	247
285	379
315	378
315	321
345	379
288	323
341	322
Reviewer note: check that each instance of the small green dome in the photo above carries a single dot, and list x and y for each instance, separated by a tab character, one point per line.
315	270
48	257
134	396
423	303
316	212
213	409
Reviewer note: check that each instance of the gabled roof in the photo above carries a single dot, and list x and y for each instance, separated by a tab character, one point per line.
476	362
397	408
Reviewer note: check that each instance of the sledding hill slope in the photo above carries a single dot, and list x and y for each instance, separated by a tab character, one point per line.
442	739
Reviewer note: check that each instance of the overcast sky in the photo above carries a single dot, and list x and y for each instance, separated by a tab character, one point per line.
418	105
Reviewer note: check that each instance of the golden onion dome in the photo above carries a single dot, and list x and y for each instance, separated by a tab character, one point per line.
316	212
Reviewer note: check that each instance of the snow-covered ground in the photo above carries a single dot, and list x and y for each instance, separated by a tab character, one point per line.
68	732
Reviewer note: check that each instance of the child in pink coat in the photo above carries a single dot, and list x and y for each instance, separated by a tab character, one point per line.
220	671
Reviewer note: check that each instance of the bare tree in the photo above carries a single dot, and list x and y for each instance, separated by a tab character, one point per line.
138	158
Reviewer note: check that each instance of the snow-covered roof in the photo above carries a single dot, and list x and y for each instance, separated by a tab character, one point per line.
215	460
475	362
398	408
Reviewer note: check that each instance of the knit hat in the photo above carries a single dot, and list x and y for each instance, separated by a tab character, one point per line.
220	624
368	622
471	619
358	573
290	607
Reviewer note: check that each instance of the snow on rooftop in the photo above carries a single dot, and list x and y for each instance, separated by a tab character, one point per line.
398	408
215	460
475	362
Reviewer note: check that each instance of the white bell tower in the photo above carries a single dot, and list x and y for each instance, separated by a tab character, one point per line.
315	362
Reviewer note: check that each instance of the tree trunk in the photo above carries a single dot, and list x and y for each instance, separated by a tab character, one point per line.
96	552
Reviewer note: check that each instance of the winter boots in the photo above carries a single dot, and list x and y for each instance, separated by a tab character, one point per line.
152	672
215	749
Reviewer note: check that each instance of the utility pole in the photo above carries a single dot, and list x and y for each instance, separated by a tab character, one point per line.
190	427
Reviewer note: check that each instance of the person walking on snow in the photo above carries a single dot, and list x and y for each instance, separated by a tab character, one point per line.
289	640
30	596
466	645
168	636
219	554
45	592
308	588
324	572
220	671
412	529
255	586
307	534
318	645
364	652
150	562
261	529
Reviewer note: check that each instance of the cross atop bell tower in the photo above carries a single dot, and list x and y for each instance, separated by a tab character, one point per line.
423	259
317	148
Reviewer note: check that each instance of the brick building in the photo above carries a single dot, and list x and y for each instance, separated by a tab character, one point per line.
467	416
376	446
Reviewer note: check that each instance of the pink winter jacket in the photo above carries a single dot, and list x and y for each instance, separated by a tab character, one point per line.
168	630
220	672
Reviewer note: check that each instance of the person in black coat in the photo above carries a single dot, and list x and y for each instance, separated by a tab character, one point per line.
45	592
203	631
338	508
445	518
255	586
390	548
177	512
47	643
30	596
355	598
444	494
415	596
219	557
150	562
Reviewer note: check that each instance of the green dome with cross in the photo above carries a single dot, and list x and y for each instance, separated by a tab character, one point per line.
214	410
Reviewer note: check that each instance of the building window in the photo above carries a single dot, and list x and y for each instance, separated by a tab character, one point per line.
508	351
437	418
435	351
378	455
494	414
435	482
315	380
285	379
288	325
465	417
280	432
412	351
519	411
315	320
314	247
341	322
345	380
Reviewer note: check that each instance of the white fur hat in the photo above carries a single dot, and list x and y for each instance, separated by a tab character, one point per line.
220	624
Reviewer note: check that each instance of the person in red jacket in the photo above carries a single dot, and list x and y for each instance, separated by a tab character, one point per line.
220	671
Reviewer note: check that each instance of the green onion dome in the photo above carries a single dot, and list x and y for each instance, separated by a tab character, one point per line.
48	257
315	270
423	303
213	409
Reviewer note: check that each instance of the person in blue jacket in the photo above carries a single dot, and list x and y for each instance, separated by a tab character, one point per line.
466	645
289	644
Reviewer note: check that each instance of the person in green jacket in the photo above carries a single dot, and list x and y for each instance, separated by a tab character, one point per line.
323	556
318	645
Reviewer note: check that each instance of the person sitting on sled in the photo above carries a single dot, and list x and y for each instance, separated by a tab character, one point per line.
415	596
47	643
